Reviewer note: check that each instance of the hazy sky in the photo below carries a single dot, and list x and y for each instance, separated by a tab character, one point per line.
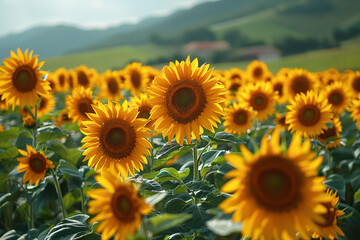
19	15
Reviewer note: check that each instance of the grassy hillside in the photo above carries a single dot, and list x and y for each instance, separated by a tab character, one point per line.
111	58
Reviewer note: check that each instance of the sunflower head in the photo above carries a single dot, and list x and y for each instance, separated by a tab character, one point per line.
110	86
115	139
257	71
238	118
62	82
278	85
334	131
308	114
275	193
142	103
151	73
63	117
300	81
117	206
51	79
34	164
355	110
136	77
3	104
186	98
84	77
280	122
354	82
338	95
20	80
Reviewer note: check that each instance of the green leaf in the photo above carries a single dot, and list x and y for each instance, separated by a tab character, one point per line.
163	222
24	138
50	133
75	154
342	153
199	216
151	175
154	199
337	183
4	199
11	133
356	195
175	205
69	168
61	150
199	189
171	174
350	222
10	235
224	137
5	145
168	152
209	156
223	226
9	153
180	189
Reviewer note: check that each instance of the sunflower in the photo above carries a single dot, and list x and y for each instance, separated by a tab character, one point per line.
118	206
28	120
257	71
110	86
79	104
51	79
329	229
3	104
20	81
151	73
238	119
235	74
355	111
46	105
122	76
337	95
299	81
71	79
142	102
329	79
334	131
63	118
354	82
276	194
115	139
1	128
136	77
283	72
278	85
186	98
308	114
280	122
34	164
233	87
84	78
261	97
62	82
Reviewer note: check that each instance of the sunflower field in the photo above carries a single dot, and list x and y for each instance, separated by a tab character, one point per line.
182	152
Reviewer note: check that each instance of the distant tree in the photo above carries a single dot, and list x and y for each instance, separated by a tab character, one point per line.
198	34
235	38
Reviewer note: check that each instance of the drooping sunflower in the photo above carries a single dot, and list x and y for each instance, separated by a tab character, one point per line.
136	77
110	86
275	194
79	104
62	82
20	81
115	139
84	77
334	131
300	81
354	83
257	71
238	119
117	206
144	106
261	97
34	164
329	228
308	114
338	95
186	99
355	111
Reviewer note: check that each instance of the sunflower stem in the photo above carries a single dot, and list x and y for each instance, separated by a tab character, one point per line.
152	155
58	191
82	199
31	213
196	167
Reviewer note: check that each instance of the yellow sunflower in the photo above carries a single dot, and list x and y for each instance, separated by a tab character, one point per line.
338	95
257	71
280	122
62	82
151	73
72	79
115	139
329	229
233	87
186	99
300	81
142	102
63	118
331	132
46	105
110	86
235	74
136	77
354	83
20	81
3	104
329	78
79	104
238	119
278	85
28	120
117	206
34	164
275	194
1	128
308	114
355	111
51	79
261	97
122	76
84	78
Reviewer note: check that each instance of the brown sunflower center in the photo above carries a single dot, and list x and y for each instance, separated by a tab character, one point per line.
43	103
185	100
279	88
235	76
122	207
258	72
259	101
52	84
71	81
117	138
234	87
61	80
37	163
122	78
331	132
329	216
275	183
300	84
356	84
84	106
144	112
135	79
335	98
309	115
240	117
112	86
24	79
83	79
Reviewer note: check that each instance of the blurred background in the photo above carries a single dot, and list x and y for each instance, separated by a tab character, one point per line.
108	34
